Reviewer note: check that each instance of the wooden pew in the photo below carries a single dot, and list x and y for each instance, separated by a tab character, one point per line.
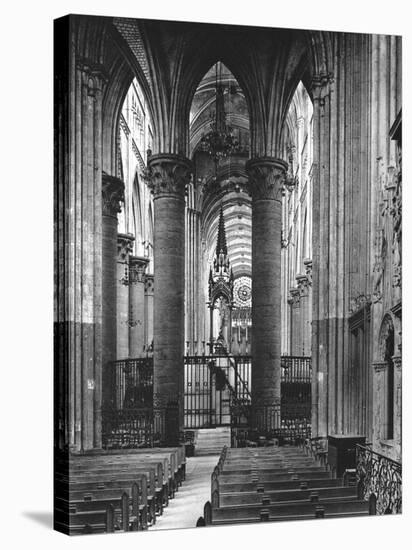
92	489
154	472
259	486
314	494
100	519
289	511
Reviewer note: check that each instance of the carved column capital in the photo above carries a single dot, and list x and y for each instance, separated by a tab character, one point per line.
137	268
322	86
124	246
267	177
380	366
397	361
112	195
308	269
94	75
294	297
169	175
303	284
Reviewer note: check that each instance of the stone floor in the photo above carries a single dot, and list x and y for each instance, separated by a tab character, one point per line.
187	506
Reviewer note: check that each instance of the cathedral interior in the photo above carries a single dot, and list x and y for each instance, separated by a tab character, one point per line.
228	254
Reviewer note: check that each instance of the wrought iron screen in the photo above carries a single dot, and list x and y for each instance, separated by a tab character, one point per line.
379	478
296	392
216	390
128	419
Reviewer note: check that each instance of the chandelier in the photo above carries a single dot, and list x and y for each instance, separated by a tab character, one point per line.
220	142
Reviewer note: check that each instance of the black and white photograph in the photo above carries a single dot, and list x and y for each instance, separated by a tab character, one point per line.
226	278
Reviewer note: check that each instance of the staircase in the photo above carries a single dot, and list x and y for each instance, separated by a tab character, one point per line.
210	441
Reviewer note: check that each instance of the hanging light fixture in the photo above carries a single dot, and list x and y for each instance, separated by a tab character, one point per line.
220	142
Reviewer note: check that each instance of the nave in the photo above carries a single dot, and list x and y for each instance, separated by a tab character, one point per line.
228	252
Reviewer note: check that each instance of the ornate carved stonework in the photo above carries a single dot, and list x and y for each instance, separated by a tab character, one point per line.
168	174
149	284
396	213
359	302
303	284
267	177
385	332
380	366
112	195
308	269
137	268
322	86
94	75
379	265
397	361
294	297
124	246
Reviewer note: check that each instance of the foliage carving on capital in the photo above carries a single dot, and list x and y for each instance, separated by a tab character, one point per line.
168	175
94	75
267	178
303	284
294	297
112	195
124	246
308	269
137	269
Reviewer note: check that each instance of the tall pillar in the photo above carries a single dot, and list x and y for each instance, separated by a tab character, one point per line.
267	176
397	400
79	88
308	319
137	268
124	249
169	175
295	314
149	290
112	194
304	342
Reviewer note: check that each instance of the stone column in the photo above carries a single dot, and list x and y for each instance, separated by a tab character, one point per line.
169	175
397	400
137	268
266	176
112	195
295	314
124	249
149	290
304	342
79	88
380	414
323	226
308	319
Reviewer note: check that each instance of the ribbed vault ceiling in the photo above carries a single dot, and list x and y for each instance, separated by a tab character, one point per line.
219	189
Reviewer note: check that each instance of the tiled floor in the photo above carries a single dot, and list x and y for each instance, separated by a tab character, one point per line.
187	506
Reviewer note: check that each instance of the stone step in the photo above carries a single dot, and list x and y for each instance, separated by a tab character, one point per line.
210	441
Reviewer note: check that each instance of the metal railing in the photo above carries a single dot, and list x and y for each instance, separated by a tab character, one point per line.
296	369
379	480
217	390
132	383
127	428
